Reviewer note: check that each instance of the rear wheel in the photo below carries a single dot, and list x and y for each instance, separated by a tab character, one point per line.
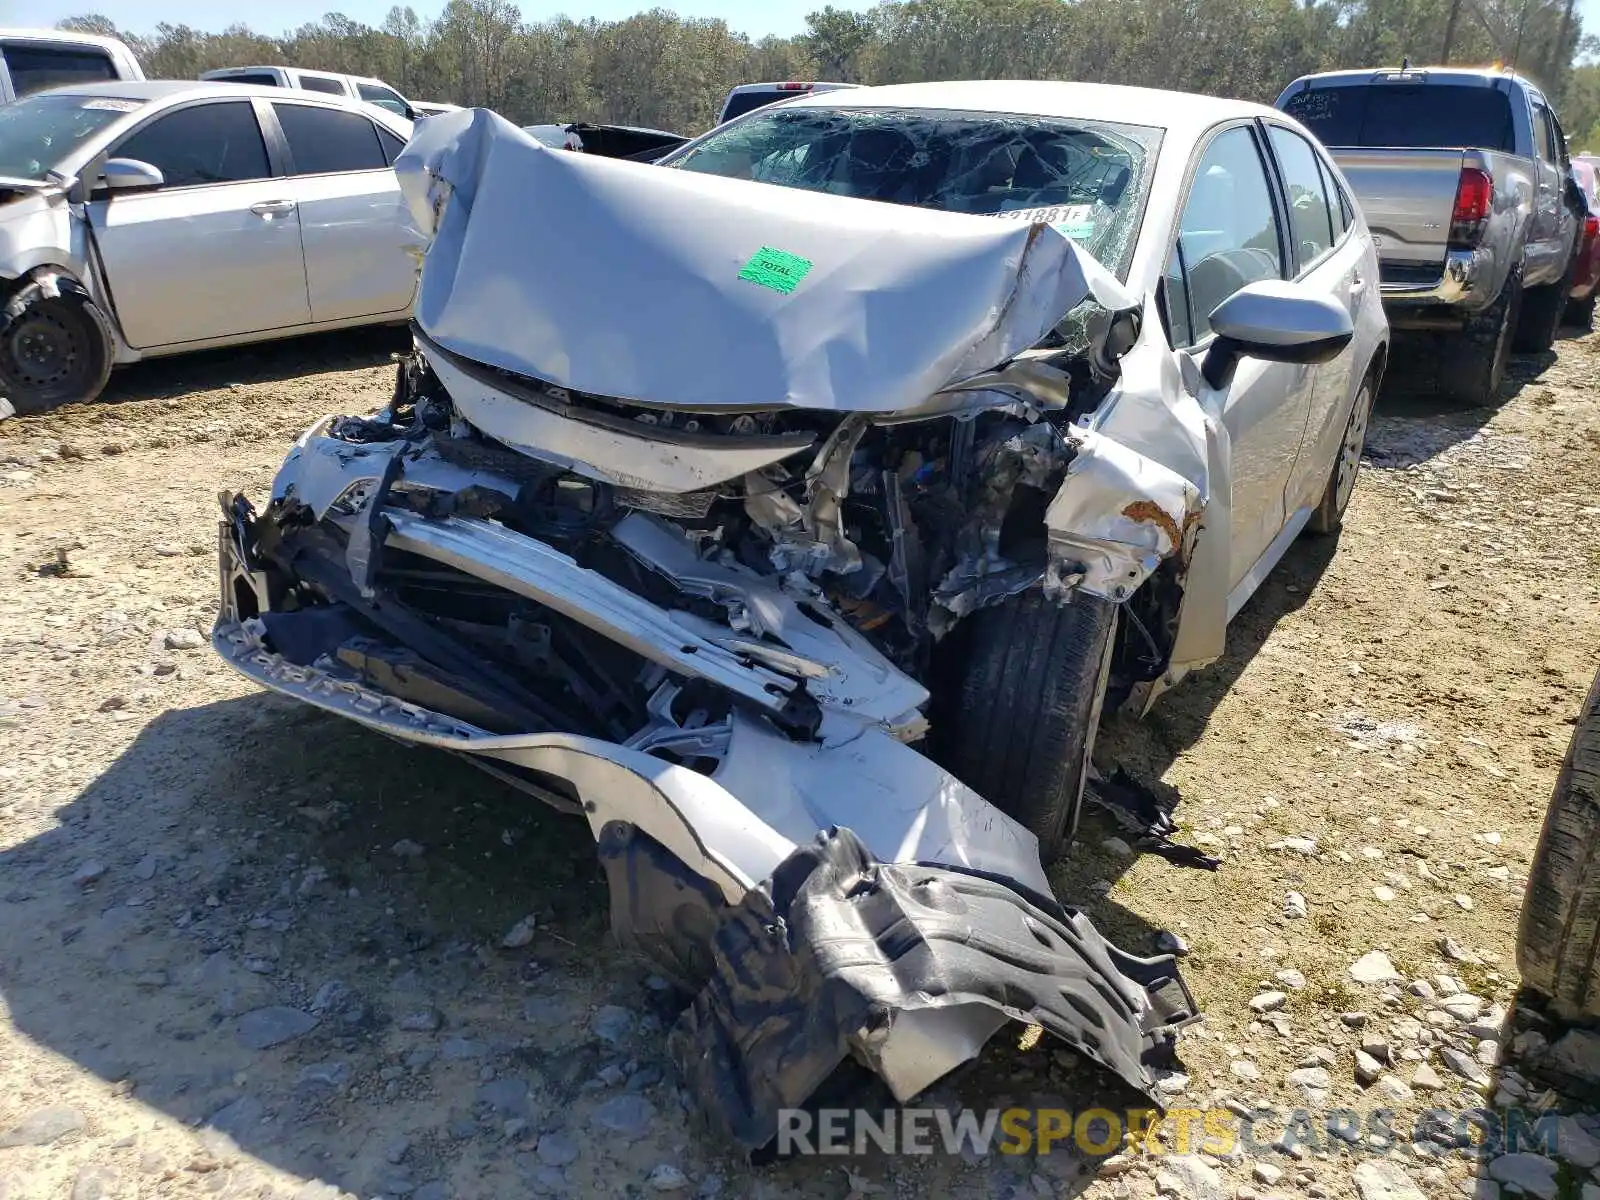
55	351
1329	515
1473	365
1560	933
1542	310
1580	313
1030	699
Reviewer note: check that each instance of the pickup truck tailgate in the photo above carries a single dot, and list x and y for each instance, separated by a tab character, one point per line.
1407	197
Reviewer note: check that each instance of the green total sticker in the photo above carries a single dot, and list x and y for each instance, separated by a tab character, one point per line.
776	269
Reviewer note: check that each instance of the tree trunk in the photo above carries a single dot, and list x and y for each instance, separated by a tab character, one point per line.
1555	73
1449	32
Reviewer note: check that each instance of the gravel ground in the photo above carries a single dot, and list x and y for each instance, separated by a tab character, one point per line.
249	950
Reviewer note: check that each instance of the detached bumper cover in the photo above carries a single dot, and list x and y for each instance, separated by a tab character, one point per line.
909	968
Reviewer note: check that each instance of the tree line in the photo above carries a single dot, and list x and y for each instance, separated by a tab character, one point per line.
660	69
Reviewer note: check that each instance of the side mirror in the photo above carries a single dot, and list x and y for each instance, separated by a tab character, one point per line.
130	174
1277	321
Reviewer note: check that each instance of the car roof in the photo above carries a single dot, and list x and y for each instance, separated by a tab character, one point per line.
1175	111
65	36
143	89
784	84
272	67
1481	75
175	90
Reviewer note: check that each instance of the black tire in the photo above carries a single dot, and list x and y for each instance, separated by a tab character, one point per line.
1329	515
1472	365
1560	932
1031	694
1542	310
1580	313
54	351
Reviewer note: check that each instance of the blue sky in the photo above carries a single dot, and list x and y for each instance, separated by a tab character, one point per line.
755	17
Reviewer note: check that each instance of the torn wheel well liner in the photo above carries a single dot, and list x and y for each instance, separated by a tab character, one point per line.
837	948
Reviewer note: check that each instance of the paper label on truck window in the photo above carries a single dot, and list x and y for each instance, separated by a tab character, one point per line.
111	104
775	269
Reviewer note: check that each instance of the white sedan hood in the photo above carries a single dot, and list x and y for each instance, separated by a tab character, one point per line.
679	289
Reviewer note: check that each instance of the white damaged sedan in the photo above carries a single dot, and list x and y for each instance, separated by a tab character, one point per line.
792	508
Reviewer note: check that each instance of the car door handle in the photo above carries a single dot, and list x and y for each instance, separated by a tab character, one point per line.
1357	285
272	208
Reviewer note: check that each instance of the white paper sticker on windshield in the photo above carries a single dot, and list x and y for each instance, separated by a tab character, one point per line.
112	104
1076	221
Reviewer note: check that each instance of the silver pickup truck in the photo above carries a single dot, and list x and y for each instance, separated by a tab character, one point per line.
1463	177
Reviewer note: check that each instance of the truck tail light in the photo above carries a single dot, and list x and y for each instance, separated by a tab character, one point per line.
1474	202
1591	227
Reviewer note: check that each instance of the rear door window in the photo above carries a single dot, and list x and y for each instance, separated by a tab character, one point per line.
35	68
1418	116
383	97
1310	218
324	140
205	143
263	78
321	83
1543	135
391	144
1338	208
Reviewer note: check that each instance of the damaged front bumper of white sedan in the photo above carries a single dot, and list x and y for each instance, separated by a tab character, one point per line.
707	617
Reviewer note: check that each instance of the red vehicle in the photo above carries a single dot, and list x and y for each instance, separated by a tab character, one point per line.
1586	268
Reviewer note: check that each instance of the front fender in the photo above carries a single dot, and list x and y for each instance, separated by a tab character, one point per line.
1150	481
1117	515
40	230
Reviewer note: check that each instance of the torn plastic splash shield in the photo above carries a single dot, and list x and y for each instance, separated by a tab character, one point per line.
910	968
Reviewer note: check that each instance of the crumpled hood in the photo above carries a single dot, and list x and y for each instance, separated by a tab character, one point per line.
679	289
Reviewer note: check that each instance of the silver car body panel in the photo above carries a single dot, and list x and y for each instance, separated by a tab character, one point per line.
358	237
655	304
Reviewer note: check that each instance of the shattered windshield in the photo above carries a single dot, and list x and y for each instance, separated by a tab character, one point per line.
37	132
1087	178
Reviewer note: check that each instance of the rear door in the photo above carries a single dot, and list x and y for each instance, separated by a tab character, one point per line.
1230	233
357	231
1573	204
215	251
1326	258
1547	252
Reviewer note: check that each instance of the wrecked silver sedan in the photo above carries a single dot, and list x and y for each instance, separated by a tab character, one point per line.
792	509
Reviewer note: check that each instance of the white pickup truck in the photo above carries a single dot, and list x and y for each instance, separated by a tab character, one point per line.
1463	177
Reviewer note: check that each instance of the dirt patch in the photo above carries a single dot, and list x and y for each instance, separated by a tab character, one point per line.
247	949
